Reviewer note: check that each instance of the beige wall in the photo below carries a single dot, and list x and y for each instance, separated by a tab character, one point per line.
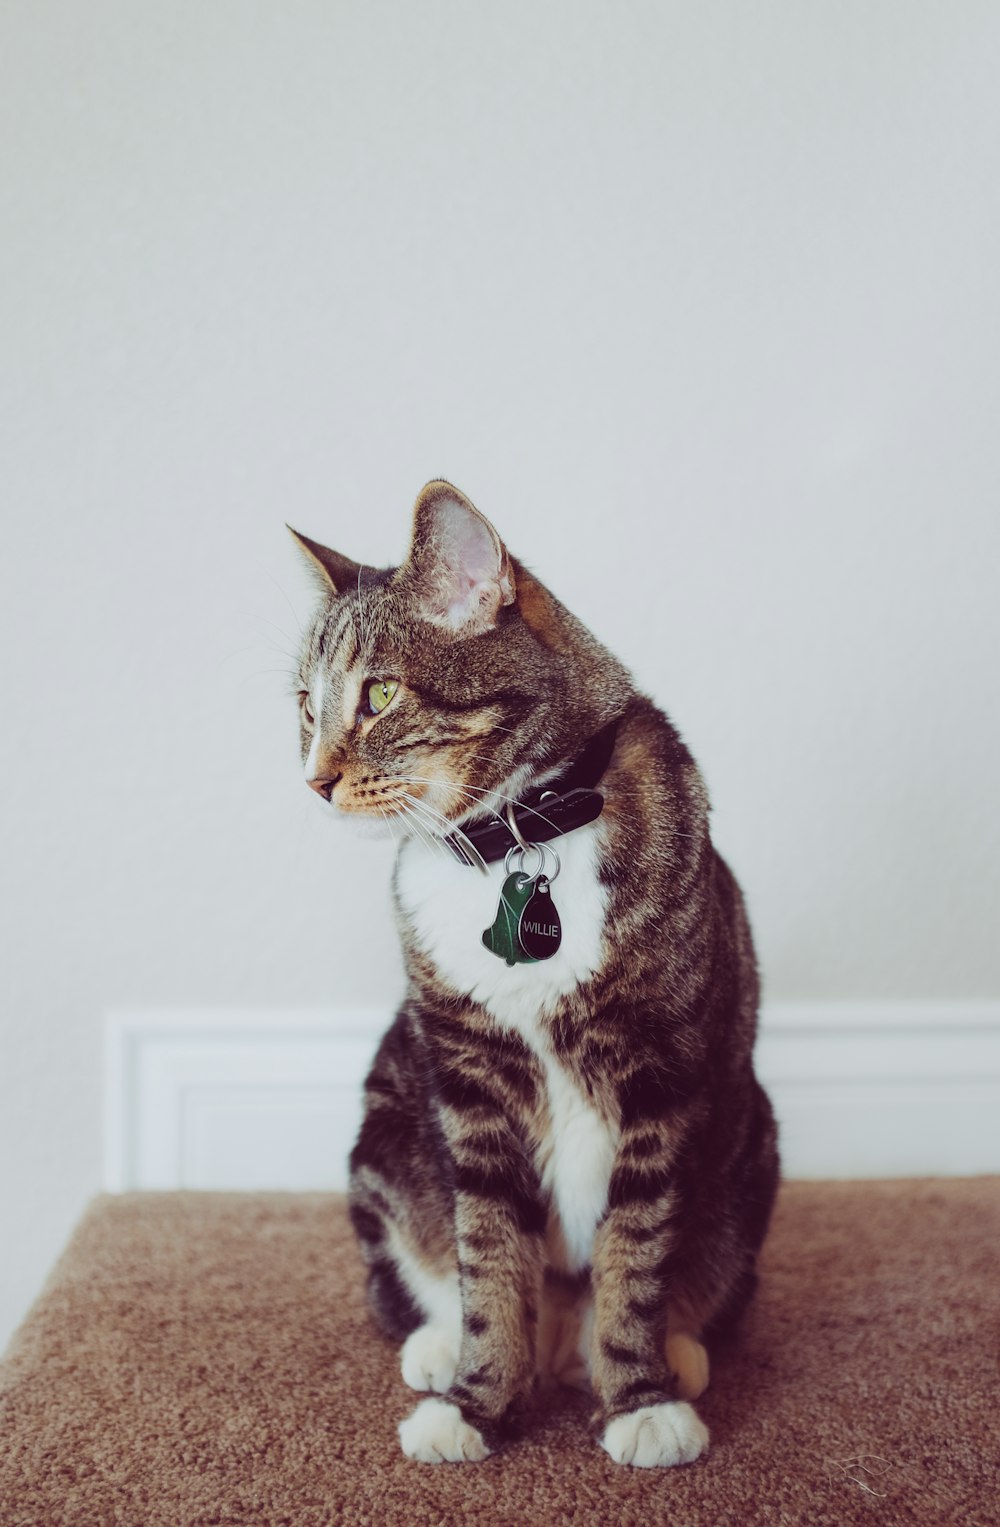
698	302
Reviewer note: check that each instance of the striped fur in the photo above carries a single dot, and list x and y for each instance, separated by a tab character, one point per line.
576	1154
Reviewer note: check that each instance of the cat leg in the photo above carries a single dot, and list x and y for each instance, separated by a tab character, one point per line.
496	1359
412	1299
499	1222
430	1353
402	1217
648	1423
412	1285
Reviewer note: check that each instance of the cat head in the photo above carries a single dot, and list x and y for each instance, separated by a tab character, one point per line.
435	690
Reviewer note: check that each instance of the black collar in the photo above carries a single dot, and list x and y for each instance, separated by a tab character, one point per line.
545	811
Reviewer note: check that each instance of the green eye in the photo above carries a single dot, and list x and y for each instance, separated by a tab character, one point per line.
380	693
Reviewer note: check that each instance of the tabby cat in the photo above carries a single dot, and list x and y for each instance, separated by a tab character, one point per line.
566	1165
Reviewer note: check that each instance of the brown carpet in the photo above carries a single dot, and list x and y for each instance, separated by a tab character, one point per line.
203	1359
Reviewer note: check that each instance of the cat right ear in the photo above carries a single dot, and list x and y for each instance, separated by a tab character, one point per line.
457	565
334	573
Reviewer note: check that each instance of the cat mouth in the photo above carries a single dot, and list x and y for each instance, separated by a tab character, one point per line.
383	805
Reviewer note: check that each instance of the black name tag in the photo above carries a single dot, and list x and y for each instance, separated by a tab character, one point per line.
539	931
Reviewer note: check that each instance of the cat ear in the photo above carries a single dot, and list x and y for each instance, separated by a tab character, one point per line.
457	566
329	568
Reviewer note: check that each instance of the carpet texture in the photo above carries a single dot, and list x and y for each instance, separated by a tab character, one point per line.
202	1359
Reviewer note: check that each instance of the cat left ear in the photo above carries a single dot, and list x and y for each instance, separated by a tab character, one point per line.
457	565
332	571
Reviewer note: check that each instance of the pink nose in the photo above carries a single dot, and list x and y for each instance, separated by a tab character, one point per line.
325	784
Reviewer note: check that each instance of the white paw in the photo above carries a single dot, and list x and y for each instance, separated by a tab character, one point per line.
429	1359
688	1361
436	1433
656	1436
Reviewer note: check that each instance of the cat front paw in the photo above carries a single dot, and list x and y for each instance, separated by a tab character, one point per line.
429	1359
436	1433
656	1436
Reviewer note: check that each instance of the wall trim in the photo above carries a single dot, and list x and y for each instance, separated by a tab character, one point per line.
160	1063
244	1098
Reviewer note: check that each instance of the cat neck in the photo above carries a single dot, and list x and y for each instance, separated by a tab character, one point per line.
562	800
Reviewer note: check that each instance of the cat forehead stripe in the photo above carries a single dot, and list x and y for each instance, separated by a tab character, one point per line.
330	641
332	629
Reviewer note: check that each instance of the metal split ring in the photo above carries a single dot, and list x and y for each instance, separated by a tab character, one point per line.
522	842
542	850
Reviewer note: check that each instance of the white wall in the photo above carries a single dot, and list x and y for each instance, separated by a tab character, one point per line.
219	1098
698	302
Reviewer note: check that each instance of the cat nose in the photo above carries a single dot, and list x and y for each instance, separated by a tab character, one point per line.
325	784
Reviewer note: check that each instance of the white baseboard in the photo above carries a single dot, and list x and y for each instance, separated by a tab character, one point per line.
884	1089
249	1100
226	1099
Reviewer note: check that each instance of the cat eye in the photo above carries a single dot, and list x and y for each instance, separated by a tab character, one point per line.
380	692
306	709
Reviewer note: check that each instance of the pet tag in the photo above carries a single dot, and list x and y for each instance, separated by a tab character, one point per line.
539	931
518	891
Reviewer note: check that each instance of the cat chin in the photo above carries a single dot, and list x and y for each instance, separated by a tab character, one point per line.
360	825
367	827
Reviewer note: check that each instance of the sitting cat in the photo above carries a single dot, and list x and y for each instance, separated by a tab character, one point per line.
566	1165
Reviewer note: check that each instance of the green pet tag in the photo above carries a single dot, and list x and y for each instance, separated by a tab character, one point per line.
526	927
501	938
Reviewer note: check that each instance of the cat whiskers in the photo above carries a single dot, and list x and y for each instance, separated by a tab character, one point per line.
296	615
419	828
468	848
474	791
419	779
360	623
425	826
438	821
619	793
387	819
265	620
264	640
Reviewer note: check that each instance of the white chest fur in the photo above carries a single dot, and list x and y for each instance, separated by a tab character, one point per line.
575	1162
448	907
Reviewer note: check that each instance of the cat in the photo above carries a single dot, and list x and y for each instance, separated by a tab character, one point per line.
566	1164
